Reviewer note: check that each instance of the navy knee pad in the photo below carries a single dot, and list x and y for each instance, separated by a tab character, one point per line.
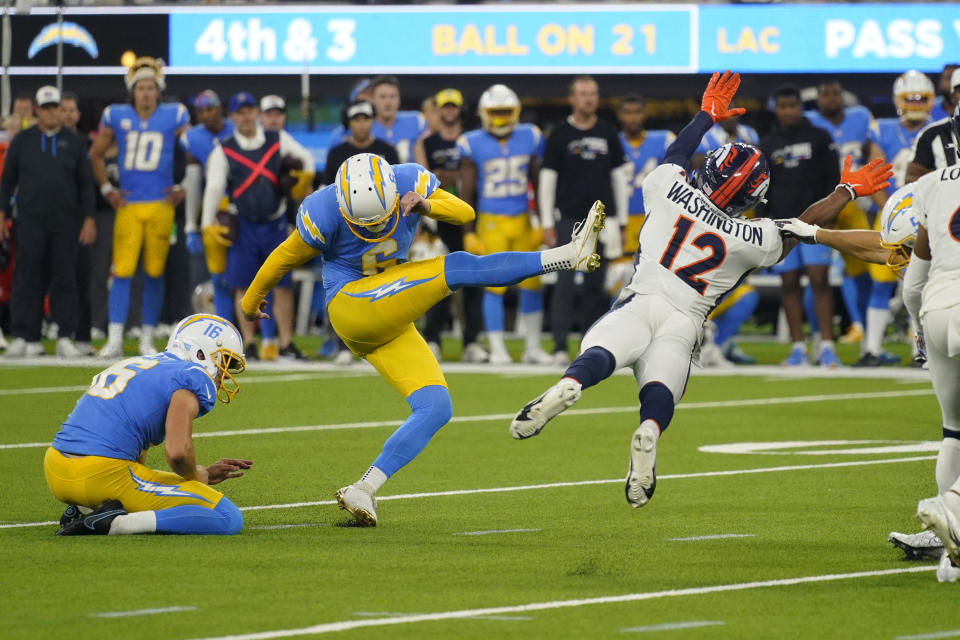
950	433
656	403
592	366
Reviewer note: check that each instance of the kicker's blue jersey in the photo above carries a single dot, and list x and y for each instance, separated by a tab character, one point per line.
145	148
645	157
850	135
198	141
503	167
125	409
402	134
349	252
896	143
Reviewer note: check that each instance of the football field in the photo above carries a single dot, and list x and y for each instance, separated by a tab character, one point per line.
775	496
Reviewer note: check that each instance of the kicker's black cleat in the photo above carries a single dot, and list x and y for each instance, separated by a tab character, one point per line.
96	523
70	514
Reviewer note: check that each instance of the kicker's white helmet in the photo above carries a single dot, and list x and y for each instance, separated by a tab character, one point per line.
145	67
898	227
913	94
499	109
213	343
367	194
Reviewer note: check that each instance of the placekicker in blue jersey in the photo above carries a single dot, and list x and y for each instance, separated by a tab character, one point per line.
503	166
145	148
350	253
124	411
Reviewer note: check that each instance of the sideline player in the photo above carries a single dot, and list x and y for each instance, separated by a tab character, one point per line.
198	142
693	250
363	228
497	162
146	133
97	458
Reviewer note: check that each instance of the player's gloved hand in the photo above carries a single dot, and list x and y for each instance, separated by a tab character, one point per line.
920	342
870	178
217	234
194	243
719	93
796	228
304	184
473	244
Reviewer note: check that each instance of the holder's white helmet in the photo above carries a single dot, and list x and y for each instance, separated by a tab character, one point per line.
367	194
214	344
913	94
504	102
898	227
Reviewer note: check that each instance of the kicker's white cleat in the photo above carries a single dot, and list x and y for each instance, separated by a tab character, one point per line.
584	239
360	504
642	476
917	546
539	411
934	513
111	350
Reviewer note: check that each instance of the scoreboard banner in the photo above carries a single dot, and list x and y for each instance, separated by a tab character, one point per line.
437	39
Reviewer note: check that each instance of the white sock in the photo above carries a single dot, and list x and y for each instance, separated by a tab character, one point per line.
948	464
138	522
372	480
557	259
651	424
800	345
532	323
877	320
826	344
146	334
115	332
496	341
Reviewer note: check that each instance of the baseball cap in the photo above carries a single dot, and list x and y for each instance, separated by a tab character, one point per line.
206	98
272	102
47	95
955	79
449	96
242	99
362	108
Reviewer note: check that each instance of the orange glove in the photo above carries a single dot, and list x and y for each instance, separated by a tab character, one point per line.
870	178
719	93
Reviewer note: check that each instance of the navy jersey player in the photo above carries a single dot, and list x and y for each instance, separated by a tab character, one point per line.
96	461
693	250
363	228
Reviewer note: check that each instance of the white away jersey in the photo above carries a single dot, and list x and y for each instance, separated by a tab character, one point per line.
936	204
690	252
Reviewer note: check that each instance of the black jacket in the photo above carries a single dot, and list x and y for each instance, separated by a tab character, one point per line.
52	178
804	167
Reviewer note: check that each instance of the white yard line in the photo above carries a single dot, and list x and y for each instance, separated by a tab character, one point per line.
953	633
719	536
556	485
140	612
385	614
670	626
345	625
494	531
716	404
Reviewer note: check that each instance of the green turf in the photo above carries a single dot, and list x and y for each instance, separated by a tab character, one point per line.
587	542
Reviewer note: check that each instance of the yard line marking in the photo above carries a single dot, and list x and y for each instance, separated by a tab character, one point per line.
290	377
270	527
345	625
938	634
670	626
715	404
719	536
557	485
400	614
492	531
140	612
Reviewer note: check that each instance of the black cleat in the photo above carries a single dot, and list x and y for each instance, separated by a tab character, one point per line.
290	352
250	352
70	514
95	523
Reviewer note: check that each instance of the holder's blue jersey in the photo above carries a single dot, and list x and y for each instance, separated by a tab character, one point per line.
145	148
645	157
503	167
198	140
402	134
349	252
896	143
850	135
125	409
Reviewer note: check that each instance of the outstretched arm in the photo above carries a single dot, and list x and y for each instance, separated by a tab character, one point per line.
714	107
291	253
441	205
863	244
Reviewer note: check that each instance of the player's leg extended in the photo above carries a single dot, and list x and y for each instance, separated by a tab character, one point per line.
127	241
407	363
152	501
493	232
616	340
156	246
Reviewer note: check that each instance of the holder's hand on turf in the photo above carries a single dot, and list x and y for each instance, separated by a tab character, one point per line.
719	93
225	469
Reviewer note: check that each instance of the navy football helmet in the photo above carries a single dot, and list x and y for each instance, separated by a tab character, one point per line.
734	177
